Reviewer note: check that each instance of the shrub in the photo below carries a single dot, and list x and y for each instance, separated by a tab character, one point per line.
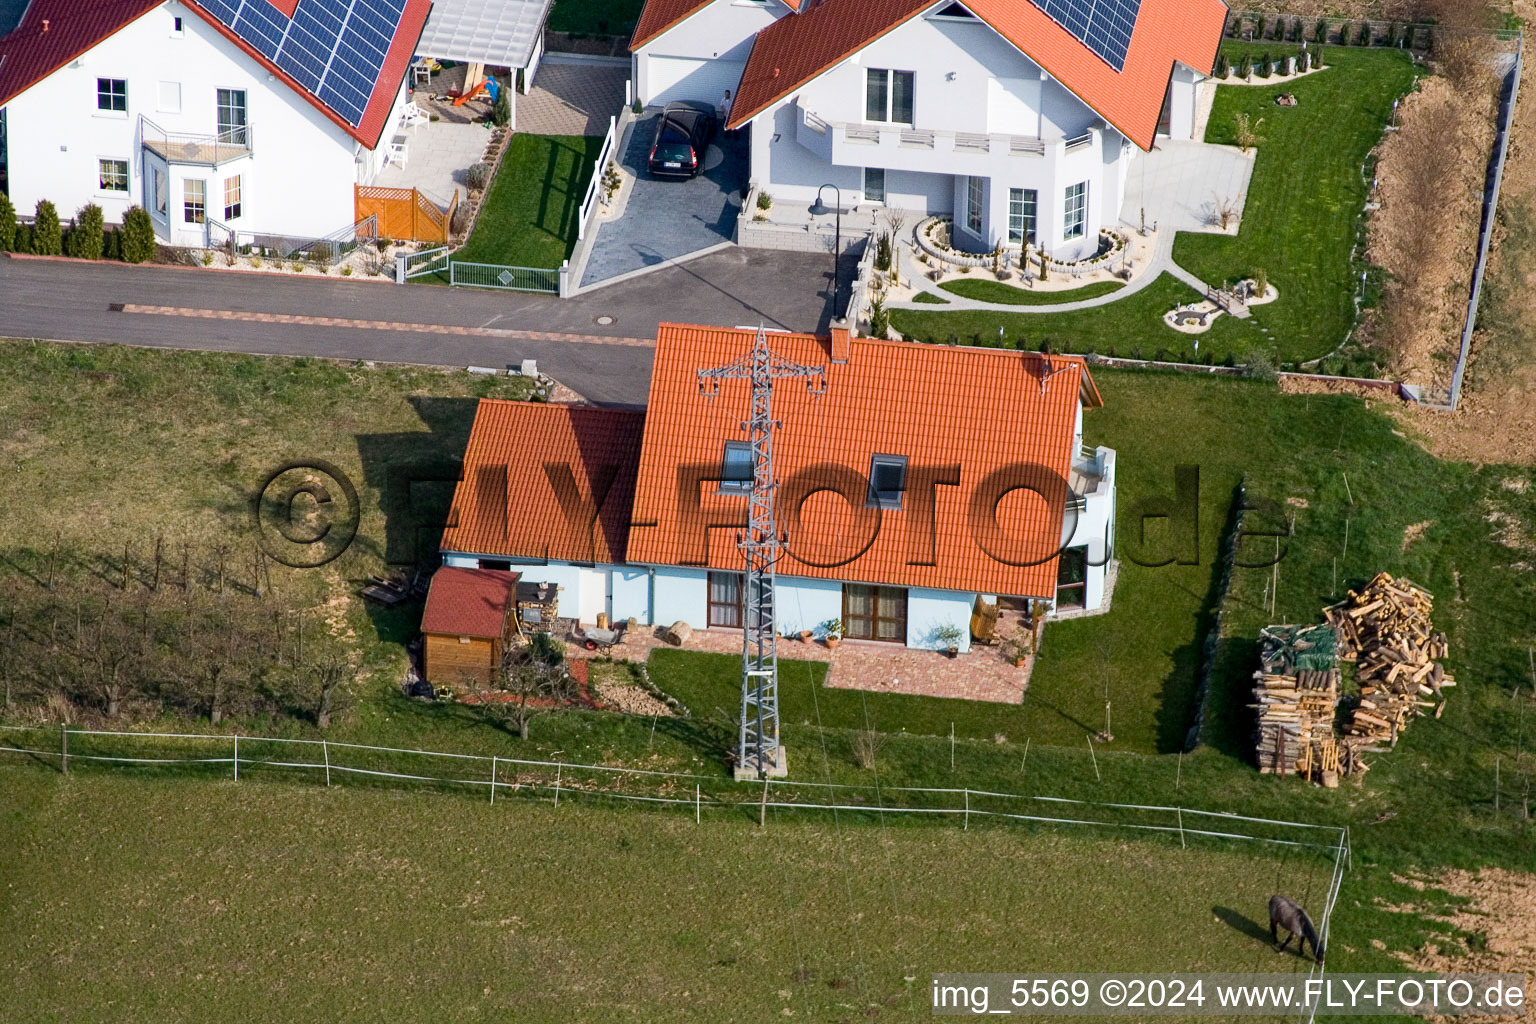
87	239
23	241
1317	57
1280	28
501	110
1223	66
883	252
1394	33
1265	63
1245	66
764	201
7	224
1295	36
1260	283
1258	33
138	241
346	271
1364	37
460	223
320	253
47	237
879	320
112	245
1320	33
478	176
1245	132
1259	365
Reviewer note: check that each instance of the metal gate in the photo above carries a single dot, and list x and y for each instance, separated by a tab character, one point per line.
428	261
511	279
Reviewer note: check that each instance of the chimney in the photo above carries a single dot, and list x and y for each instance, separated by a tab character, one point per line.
842	344
45	24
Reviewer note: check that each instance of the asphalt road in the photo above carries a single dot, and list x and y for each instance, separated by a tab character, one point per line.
610	363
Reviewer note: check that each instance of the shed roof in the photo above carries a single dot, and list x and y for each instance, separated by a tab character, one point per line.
468	602
498	32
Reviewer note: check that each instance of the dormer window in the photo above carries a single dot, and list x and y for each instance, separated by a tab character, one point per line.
954	11
887	480
736	468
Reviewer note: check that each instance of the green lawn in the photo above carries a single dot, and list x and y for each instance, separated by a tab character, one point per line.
998	291
1303	214
173	901
595	17
529	217
1307	196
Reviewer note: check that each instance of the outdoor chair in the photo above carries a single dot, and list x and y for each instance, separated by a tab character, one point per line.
399	153
423	68
412	115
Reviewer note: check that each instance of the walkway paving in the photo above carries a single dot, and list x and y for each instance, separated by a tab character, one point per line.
440	157
667	220
572	99
981	673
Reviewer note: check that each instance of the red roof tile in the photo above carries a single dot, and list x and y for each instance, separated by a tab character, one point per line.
792	51
980	410
659	15
468	602
532	472
29	54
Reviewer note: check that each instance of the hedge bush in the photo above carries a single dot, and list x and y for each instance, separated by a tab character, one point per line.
86	238
138	241
7	224
47	236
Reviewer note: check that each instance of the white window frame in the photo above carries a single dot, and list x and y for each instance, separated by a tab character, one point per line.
239	183
1074	221
160	103
1017	202
975	203
864	185
890	95
116	193
186	200
111	111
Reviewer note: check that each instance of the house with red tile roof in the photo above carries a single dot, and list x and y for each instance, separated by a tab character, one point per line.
213	115
1019	119
912	481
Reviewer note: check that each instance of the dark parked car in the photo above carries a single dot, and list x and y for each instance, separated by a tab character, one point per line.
683	132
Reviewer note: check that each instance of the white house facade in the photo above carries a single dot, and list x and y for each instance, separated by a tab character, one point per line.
174	111
990	113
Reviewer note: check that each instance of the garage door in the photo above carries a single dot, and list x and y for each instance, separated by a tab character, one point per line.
687	78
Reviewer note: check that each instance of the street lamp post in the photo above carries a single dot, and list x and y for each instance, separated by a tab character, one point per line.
819	209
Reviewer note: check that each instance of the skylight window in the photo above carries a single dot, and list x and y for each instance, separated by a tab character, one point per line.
887	480
736	468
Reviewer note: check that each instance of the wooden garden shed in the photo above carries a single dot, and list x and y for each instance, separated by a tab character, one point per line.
469	618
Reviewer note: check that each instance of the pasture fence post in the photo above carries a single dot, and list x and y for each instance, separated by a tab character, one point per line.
64	748
325	749
237	757
762	808
1180	812
967	809
493	780
557	784
1095	757
698	805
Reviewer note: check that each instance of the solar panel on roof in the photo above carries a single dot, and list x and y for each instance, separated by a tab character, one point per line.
1104	26
333	48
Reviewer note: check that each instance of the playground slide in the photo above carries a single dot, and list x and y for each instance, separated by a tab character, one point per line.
489	86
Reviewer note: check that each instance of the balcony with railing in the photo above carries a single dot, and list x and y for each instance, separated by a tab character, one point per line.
208	150
904	147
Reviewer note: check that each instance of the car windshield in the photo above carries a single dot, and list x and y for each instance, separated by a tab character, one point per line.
674	131
674	151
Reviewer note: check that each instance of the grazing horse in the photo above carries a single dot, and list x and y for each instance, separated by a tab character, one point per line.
1287	913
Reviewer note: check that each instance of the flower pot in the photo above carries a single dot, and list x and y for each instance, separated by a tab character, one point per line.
953	651
805	636
833	641
1021	661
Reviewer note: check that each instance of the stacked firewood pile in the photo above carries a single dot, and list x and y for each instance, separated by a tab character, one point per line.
1296	690
1385	630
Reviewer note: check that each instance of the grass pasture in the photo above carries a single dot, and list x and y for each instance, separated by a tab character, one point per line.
137	899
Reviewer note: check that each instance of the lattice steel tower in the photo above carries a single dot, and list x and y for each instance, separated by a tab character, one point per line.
758	753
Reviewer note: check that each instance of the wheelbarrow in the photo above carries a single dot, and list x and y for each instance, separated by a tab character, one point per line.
597	639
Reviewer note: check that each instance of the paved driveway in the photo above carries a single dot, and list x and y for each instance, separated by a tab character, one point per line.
667	219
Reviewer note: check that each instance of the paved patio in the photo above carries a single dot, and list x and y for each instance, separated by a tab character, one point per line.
572	99
980	674
1179	184
441	154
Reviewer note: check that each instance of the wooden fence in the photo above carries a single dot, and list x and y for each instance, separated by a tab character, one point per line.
405	213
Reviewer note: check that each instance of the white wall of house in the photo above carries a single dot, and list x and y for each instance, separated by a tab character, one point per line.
1094	528
1183	100
806	603
704	54
631	589
682	595
297	181
930	610
967	79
